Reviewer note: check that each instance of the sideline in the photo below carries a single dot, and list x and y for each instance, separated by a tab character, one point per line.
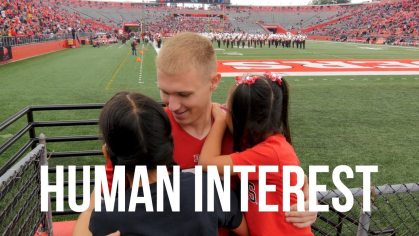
141	67
116	72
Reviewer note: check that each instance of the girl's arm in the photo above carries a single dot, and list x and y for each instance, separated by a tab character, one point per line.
81	228
82	224
211	151
305	218
242	230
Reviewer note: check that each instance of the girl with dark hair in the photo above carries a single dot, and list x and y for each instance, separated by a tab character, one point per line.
256	113
137	131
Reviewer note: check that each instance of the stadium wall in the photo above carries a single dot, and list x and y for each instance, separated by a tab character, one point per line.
37	49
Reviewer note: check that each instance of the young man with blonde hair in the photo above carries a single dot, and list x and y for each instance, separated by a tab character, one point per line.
187	75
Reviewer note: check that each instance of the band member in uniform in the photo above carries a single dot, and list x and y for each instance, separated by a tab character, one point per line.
158	41
283	40
297	40
255	41
288	43
238	41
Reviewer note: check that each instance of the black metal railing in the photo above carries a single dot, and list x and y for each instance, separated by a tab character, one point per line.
43	38
33	140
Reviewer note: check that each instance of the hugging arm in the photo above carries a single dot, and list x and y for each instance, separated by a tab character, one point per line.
81	228
304	218
211	151
242	230
82	224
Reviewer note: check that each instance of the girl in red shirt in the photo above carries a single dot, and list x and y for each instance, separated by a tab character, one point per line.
257	115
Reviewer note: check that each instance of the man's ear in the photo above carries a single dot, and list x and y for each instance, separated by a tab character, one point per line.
215	80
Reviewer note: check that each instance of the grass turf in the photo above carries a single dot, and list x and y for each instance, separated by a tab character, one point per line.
336	120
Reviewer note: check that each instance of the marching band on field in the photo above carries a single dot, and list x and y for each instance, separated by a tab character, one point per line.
257	40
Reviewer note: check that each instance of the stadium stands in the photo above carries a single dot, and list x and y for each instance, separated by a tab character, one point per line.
390	20
245	23
31	22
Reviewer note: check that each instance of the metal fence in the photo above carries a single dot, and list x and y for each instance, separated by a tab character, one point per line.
20	200
394	211
44	38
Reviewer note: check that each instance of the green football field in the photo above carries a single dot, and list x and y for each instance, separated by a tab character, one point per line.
335	120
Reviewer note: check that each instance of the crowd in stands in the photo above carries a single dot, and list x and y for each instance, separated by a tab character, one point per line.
392	19
163	24
243	19
30	18
111	5
278	9
200	26
167	23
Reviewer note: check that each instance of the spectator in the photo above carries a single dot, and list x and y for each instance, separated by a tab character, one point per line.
137	131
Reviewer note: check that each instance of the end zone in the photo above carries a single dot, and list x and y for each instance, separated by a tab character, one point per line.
320	67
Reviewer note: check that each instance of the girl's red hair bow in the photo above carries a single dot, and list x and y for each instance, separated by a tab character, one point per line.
274	77
246	79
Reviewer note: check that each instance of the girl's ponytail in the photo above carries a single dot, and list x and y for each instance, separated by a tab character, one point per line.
286	131
280	105
259	109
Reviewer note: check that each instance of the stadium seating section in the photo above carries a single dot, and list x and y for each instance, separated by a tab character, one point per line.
397	19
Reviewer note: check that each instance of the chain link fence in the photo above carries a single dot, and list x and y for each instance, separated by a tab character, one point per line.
20	202
394	211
